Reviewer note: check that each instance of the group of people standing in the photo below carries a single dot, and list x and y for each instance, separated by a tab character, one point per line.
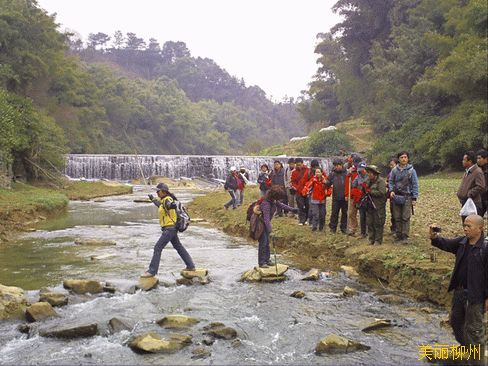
354	187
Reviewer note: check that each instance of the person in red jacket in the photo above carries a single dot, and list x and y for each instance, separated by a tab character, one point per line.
298	180
358	187
316	189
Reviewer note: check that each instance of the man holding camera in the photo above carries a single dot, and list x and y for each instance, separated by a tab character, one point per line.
469	280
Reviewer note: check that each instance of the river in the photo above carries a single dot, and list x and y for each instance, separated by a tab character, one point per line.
273	327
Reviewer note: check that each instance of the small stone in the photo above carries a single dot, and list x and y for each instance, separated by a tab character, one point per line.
208	341
39	311
236	343
349	291
109	289
183	282
24	328
298	294
334	344
445	323
118	325
200	353
381	323
177	321
312	275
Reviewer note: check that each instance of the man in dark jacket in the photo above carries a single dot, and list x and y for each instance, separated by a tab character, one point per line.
473	182
375	210
469	281
337	179
482	161
231	185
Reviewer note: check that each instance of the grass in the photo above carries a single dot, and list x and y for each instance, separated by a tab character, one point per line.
406	268
84	190
24	204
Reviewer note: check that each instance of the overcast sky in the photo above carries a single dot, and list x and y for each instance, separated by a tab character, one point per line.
269	43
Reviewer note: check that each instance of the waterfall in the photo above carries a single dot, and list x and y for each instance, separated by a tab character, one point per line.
127	167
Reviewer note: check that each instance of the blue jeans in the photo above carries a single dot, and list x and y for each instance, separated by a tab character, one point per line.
233	199
169	234
263	249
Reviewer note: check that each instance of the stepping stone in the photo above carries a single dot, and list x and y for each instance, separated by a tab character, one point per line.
198	272
147	283
177	321
334	344
378	324
83	286
156	343
39	311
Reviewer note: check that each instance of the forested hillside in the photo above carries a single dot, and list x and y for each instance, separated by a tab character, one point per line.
58	95
416	69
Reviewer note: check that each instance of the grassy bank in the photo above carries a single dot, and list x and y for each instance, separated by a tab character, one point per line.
23	205
406	268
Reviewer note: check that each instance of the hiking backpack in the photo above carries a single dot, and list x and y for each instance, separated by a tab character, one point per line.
182	216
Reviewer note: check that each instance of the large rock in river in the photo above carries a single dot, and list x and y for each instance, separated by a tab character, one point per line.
12	302
53	298
70	331
39	311
333	344
83	286
155	343
177	321
269	274
147	283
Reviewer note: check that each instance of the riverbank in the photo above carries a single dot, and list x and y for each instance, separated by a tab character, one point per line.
24	205
407	269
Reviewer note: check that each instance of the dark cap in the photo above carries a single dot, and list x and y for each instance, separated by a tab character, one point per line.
162	187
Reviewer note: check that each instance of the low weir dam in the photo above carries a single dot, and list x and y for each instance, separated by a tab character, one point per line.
126	167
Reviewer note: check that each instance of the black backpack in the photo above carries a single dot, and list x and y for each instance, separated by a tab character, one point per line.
182	216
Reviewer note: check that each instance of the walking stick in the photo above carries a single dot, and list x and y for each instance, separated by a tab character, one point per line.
274	252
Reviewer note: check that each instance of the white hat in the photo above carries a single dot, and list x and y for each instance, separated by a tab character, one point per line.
233	168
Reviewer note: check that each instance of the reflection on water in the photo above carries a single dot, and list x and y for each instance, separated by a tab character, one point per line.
272	326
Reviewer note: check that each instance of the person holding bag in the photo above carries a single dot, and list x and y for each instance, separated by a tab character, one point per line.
404	188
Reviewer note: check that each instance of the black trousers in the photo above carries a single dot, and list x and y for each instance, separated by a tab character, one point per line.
338	205
303	206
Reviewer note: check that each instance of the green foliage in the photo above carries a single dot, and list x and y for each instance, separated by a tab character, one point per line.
415	69
29	136
328	143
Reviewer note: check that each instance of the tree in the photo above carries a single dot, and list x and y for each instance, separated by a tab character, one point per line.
98	40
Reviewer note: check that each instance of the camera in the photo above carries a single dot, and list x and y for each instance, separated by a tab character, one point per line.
436	229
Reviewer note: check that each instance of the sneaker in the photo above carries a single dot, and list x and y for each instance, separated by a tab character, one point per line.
190	269
378	243
147	275
314	229
371	242
270	263
263	266
226	207
301	223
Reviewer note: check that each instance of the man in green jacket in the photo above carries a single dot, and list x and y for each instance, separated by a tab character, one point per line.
375	201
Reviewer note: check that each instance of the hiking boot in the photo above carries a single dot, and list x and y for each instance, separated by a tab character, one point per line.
270	263
371	242
147	275
226	207
314	229
364	236
378	243
190	269
301	223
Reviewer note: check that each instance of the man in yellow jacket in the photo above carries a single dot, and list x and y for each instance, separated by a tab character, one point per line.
167	220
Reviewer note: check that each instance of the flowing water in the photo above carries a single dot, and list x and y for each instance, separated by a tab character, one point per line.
273	327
